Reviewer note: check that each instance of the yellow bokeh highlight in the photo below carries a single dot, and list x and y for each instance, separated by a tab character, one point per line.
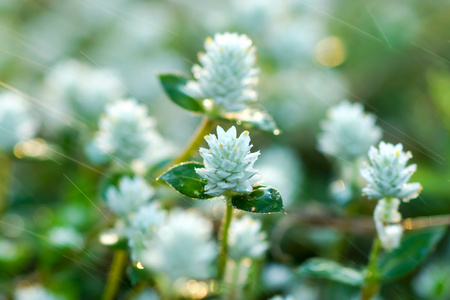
330	52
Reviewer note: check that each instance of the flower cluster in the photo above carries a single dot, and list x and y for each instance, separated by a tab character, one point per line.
227	74
126	131
181	247
16	121
387	179
348	132
228	163
246	239
131	194
387	175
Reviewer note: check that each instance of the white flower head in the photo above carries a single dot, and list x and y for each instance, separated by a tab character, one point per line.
387	219
78	88
35	292
126	131
387	175
246	240
66	237
348	132
227	74
182	247
131	194
228	163
142	224
16	121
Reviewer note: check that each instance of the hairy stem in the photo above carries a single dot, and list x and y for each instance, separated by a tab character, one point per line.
223	254
204	128
372	280
115	275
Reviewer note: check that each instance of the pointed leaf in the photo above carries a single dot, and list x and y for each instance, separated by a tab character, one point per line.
263	199
253	118
186	181
413	250
173	85
324	268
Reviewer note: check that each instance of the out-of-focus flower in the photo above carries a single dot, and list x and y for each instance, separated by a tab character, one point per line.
130	196
182	247
227	74
141	227
126	131
277	276
387	175
246	240
228	163
35	292
77	88
65	237
348	133
433	281
16	121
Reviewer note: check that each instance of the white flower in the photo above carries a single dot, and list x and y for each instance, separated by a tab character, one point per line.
78	88
246	240
35	292
348	133
66	237
387	217
131	194
16	121
387	175
433	281
182	247
126	131
227	74
142	224
228	163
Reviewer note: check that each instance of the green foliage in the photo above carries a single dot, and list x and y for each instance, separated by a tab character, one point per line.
173	85
324	268
414	249
186	181
263	199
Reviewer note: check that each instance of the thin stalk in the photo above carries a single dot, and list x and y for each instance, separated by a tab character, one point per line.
223	254
372	280
204	128
5	176
115	275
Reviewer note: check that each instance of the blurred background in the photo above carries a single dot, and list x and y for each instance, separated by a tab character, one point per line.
391	56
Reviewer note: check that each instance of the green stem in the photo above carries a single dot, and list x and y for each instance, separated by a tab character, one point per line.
204	128
5	176
115	275
372	280
224	239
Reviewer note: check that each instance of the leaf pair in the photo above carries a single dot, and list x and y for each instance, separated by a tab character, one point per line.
413	251
186	181
251	117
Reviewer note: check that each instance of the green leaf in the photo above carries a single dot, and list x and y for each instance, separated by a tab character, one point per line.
253	118
263	199
186	181
413	250
324	268
173	85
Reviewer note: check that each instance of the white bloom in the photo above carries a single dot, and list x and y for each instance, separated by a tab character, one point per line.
348	133
35	292
228	163
227	74
433	281
246	240
387	175
182	247
387	217
16	121
131	194
142	224
66	237
278	276
78	88
126	131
